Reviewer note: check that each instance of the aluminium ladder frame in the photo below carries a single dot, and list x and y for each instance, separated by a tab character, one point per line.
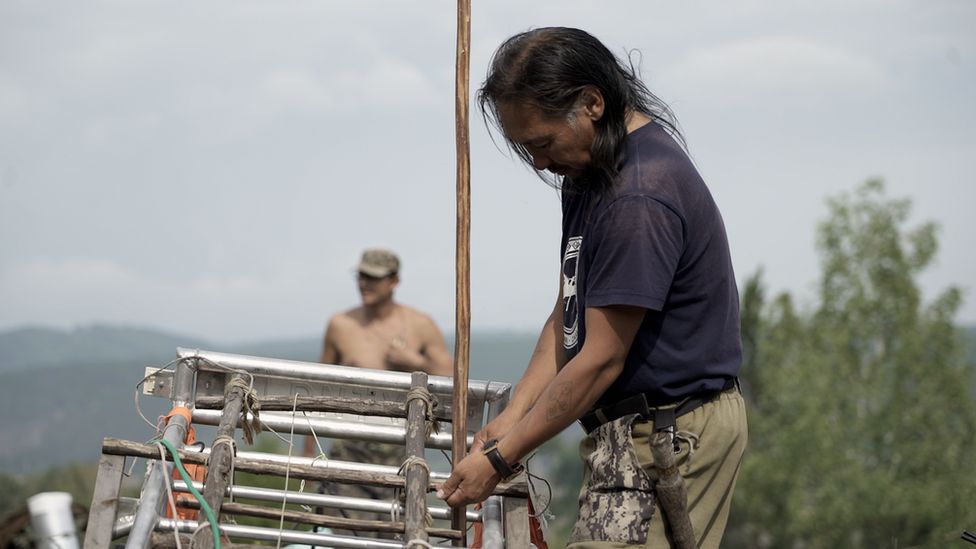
359	404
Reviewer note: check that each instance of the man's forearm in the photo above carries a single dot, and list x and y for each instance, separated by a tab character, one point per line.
569	395
578	385
543	366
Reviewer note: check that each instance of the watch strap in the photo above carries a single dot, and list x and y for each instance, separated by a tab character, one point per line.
498	461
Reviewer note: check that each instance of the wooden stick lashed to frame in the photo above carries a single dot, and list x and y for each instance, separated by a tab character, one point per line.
462	319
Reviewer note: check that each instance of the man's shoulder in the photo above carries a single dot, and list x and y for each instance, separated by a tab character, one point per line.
417	318
346	318
413	313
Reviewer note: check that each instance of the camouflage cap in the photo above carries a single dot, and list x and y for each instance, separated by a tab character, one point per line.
379	263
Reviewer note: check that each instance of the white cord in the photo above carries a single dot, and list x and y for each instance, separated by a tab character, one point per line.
314	436
284	498
169	491
143	380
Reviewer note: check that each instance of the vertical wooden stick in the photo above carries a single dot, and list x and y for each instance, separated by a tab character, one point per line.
462	319
221	455
418	476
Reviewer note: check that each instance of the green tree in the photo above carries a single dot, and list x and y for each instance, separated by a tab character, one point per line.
863	415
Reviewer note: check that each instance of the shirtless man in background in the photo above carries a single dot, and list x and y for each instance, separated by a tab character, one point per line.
382	334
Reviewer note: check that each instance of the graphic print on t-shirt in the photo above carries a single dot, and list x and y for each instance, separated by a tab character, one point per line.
570	302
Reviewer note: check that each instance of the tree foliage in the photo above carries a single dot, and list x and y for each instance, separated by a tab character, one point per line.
862	412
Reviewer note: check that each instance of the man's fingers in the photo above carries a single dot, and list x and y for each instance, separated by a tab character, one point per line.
448	487
456	499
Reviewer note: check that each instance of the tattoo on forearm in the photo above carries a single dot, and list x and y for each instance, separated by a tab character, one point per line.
560	400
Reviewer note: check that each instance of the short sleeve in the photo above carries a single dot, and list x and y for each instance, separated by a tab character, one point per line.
634	248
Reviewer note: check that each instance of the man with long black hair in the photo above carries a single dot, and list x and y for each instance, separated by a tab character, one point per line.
644	336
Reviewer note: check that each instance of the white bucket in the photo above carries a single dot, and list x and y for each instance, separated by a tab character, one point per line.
54	525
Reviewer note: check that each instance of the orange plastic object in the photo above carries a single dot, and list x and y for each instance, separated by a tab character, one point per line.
196	472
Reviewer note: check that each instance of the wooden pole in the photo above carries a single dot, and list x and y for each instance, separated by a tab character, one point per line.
417	473
222	454
344	405
462	321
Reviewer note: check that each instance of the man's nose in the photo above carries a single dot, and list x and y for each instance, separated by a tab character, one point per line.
541	161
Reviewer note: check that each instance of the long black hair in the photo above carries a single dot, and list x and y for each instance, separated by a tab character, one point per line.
549	68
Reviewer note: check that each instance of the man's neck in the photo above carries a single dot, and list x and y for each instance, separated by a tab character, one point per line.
381	310
636	120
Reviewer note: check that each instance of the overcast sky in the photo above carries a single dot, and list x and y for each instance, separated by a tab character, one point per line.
215	168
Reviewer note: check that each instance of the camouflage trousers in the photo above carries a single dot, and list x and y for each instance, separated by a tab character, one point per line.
618	508
361	451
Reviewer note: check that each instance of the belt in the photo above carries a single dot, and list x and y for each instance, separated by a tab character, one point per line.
663	416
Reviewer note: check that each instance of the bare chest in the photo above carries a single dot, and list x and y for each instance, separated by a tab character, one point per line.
368	347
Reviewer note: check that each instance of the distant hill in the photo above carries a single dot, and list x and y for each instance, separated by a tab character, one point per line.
61	392
29	348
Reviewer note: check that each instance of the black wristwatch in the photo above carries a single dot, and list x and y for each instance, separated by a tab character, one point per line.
498	462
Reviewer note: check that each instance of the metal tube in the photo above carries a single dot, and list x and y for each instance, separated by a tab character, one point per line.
322	500
183	385
332	428
334	464
287	536
152	500
493	536
494	533
274	367
122	527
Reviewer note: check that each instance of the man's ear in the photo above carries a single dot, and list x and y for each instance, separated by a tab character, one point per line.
591	103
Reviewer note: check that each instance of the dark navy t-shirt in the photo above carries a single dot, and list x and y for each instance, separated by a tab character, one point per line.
656	240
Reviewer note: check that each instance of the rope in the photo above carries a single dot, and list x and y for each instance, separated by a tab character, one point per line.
690	438
224	439
251	408
252	405
418	541
430	401
413	460
301	485
193	536
314	437
399	493
284	497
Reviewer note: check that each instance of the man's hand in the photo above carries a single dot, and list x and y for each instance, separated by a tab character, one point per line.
403	358
471	482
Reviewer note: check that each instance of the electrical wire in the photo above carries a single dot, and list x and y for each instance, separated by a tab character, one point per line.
214	526
143	380
169	492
